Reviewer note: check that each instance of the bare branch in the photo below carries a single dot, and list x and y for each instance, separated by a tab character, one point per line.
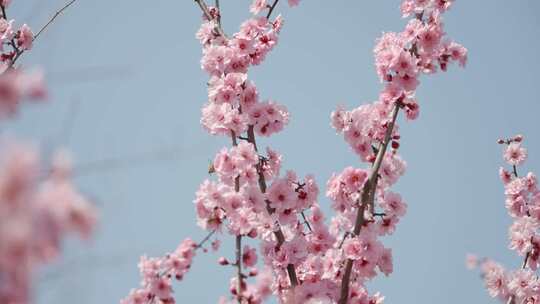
58	13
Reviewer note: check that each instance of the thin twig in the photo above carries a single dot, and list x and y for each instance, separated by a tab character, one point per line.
239	268
53	18
201	243
130	161
271	9
218	13
306	221
19	53
209	16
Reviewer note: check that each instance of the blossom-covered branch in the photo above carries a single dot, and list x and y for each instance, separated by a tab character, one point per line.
39	203
400	59
22	40
523	205
238	199
307	260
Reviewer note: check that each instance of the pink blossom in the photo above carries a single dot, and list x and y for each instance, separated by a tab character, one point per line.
523	283
362	247
5	3
6	29
354	179
515	154
496	281
257	6
293	2
471	261
505	175
393	204
161	288
385	261
25	37
281	195
521	232
249	256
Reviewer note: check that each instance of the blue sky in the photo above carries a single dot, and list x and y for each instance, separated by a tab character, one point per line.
126	85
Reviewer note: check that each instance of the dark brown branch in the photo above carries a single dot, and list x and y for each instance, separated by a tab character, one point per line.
58	13
3	12
271	9
306	221
239	268
367	199
206	238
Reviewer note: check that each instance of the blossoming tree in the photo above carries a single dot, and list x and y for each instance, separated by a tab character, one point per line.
523	205
39	204
305	259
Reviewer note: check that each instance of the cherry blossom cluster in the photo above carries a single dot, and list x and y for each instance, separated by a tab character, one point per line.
366	208
39	204
233	100
523	205
157	274
17	40
305	259
238	199
16	85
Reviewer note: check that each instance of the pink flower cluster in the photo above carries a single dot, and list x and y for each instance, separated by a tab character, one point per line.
17	86
253	293
233	100
358	194
39	204
239	199
19	40
305	259
37	209
523	205
257	6
158	273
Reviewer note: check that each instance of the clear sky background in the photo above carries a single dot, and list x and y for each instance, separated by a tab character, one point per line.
126	90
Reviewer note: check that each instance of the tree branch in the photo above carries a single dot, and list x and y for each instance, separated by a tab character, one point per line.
209	16
206	238
58	13
306	221
367	199
239	268
512	298
262	185
271	9
19	53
